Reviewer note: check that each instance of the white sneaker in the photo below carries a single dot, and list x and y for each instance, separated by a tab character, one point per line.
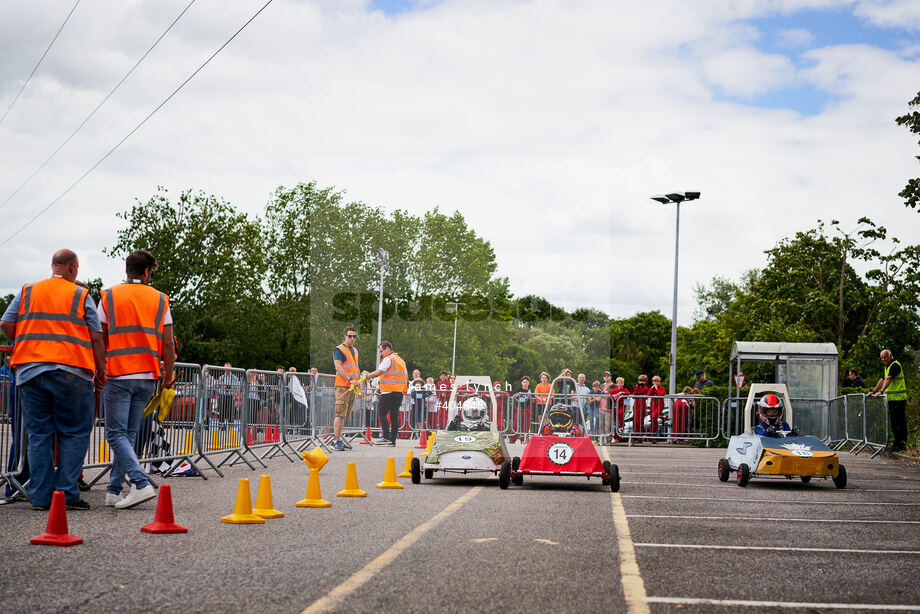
111	499
136	497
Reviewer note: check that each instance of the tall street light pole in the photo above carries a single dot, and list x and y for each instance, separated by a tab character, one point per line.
383	261
664	199
453	358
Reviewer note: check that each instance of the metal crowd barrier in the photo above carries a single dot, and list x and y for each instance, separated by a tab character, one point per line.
14	469
875	425
670	418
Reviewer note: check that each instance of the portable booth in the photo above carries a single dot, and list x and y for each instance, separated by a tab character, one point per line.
809	370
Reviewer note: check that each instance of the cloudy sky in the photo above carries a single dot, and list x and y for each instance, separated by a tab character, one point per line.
548	124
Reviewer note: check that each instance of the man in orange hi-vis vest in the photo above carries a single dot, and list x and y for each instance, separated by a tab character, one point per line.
394	383
59	356
138	331
345	359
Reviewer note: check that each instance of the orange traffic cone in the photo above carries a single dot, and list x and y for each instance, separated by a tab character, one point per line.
163	521
265	507
422	441
242	509
368	441
407	470
56	530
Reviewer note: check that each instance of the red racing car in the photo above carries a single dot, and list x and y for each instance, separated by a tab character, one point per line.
561	448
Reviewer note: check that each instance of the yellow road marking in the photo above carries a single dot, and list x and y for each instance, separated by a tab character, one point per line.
334	597
481	540
631	578
547	541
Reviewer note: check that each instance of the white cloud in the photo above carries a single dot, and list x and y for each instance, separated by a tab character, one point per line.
794	38
548	124
890	13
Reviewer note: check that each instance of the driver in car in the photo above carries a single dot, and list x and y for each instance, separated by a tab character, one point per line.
771	418
471	417
562	421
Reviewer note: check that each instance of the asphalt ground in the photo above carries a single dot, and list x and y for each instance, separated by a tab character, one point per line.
460	544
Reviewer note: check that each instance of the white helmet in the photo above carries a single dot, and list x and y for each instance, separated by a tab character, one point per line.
474	409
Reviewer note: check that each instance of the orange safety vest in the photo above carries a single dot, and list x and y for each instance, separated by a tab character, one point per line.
395	379
50	325
135	313
350	366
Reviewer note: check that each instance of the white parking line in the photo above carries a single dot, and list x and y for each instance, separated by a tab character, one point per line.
885	607
686	484
802	502
827	520
776	548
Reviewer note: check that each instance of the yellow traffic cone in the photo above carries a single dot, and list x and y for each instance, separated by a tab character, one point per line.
103	451
351	483
242	510
314	496
389	476
265	508
407	471
430	443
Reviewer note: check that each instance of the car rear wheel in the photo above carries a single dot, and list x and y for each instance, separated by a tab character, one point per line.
516	478
805	479
614	478
606	480
724	469
744	474
841	480
504	475
416	471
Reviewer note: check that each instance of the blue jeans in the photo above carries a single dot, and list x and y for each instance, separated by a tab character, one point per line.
125	401
56	403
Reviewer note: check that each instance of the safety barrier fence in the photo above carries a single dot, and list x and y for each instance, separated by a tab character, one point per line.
223	415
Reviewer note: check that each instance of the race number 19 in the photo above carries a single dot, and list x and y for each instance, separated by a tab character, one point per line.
560	453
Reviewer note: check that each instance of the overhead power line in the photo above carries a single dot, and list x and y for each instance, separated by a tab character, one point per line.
88	117
136	128
19	93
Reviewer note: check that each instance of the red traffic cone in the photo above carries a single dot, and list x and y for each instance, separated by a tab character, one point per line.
163	521
56	530
423	441
367	438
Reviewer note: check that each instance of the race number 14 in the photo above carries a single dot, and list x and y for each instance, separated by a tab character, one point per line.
560	453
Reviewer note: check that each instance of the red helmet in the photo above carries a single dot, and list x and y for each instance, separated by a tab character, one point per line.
771	409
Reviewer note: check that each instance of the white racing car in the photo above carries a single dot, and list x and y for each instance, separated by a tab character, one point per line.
471	442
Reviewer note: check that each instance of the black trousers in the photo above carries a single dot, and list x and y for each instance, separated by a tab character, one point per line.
389	408
898	410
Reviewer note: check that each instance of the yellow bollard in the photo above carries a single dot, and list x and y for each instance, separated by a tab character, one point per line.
188	444
351	483
215	439
232	437
407	471
265	507
103	451
242	509
389	476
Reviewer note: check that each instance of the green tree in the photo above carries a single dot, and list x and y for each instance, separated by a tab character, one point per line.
212	265
911	119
